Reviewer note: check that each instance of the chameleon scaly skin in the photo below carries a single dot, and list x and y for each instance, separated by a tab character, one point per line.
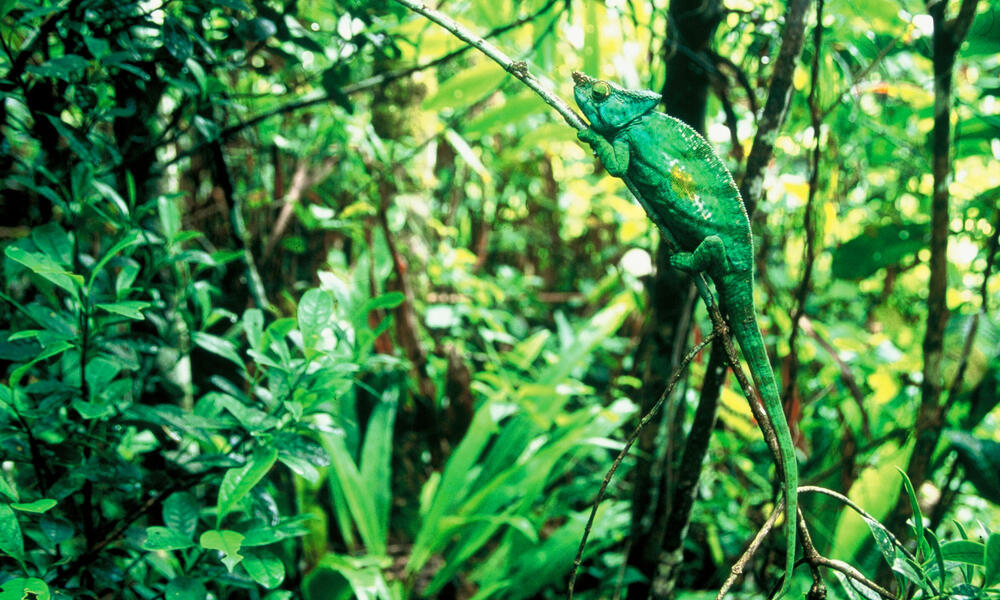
690	195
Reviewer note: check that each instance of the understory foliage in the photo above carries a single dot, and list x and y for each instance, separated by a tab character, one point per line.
309	300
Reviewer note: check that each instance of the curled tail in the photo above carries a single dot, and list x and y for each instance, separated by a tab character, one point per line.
736	299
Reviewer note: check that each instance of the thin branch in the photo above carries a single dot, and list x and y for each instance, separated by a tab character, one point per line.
776	105
674	378
809	220
741	563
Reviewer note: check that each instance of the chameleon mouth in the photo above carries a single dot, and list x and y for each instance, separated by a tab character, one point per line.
581	78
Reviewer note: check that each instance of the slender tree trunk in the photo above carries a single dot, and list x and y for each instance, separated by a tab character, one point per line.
948	36
691	25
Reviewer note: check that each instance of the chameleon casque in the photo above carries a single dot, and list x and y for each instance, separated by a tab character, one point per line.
690	195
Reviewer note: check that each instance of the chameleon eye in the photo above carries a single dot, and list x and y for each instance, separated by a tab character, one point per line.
601	90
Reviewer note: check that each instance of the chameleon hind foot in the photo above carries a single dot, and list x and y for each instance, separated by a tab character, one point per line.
708	257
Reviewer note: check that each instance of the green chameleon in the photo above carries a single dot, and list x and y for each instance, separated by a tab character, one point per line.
691	196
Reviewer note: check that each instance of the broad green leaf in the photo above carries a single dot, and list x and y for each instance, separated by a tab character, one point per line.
991	560
225	541
265	568
878	247
964	551
180	513
54	242
11	542
385	301
315	312
161	538
38	506
237	483
126	308
217	345
302	455
23	588
45	267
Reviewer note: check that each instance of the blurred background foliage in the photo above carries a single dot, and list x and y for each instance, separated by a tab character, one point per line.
310	300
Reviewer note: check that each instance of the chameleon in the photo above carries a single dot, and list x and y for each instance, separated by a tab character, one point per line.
688	192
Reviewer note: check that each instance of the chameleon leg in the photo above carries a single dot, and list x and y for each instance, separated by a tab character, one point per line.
708	257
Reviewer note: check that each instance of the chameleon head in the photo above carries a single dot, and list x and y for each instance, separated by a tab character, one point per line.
610	107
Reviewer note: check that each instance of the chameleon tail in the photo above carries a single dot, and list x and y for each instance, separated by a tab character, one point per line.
736	298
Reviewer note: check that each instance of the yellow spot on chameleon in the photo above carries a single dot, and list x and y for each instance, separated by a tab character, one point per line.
681	182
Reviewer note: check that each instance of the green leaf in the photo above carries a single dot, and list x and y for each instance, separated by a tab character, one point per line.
161	538
937	556
48	352
877	248
5	487
198	73
111	194
42	265
130	239
991	560
38	506
288	528
225	541
217	345
918	518
56	530
964	551
54	242
237	483
180	513
11	542
981	459
23	588
185	588
385	301
126	308
265	568
67	67
253	327
170	217
176	39
315	313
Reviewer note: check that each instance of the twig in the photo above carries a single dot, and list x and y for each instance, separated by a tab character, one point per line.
809	221
674	378
518	69
739	565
